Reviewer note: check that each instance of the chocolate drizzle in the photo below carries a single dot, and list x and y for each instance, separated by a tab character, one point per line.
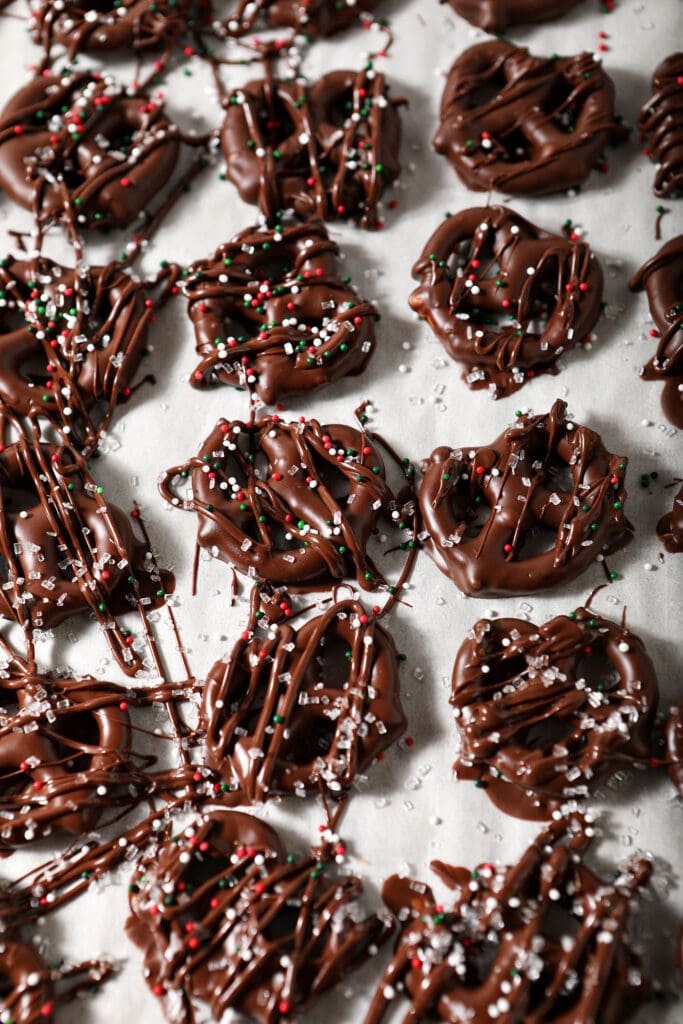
67	754
662	119
71	342
291	503
225	917
504	297
67	550
545	712
530	511
674	746
88	27
525	125
543	940
304	708
270	310
662	279
497	15
327	149
77	141
311	17
670	526
30	990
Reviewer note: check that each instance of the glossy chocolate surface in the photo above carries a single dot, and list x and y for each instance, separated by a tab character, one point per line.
525	125
542	940
223	916
661	119
121	154
530	511
290	503
662	279
303	707
498	15
545	712
270	311
504	297
328	148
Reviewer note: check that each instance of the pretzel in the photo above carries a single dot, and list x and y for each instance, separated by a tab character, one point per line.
662	119
543	940
544	713
309	17
497	15
270	308
278	717
83	27
327	149
290	503
670	526
70	343
122	153
67	550
224	917
674	745
59	747
504	297
662	279
525	125
545	485
30	990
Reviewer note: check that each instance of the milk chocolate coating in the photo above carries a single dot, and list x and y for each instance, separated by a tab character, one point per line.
525	125
670	526
304	707
71	342
662	279
59	742
224	917
504	297
327	149
67	550
30	990
310	17
543	940
122	153
674	745
530	511
662	119
89	26
545	712
290	503
269	309
497	15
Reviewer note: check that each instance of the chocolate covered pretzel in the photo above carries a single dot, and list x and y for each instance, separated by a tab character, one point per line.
545	712
504	297
225	918
670	526
270	311
327	149
78	140
71	342
309	17
673	732
86	27
662	120
542	940
497	15
662	279
302	707
290	503
31	990
525	125
67	550
530	511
